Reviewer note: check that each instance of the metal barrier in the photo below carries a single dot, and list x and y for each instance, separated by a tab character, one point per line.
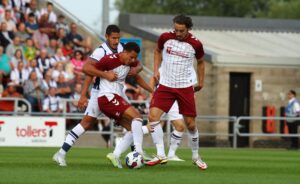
236	121
16	102
237	126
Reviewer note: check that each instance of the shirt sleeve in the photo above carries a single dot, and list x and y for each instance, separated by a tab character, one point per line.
199	51
161	41
97	54
102	65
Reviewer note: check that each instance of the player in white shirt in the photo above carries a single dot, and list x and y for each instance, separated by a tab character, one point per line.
174	55
112	45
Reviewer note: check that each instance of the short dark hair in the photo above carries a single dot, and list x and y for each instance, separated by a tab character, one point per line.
112	29
132	46
183	20
293	92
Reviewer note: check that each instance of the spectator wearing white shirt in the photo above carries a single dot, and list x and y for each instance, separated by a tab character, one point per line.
20	74
51	14
52	103
33	67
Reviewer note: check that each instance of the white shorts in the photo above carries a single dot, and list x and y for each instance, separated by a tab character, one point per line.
92	108
173	113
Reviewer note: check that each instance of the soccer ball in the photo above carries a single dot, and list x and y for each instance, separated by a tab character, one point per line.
134	160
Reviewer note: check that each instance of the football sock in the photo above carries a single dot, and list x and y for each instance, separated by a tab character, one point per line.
71	138
175	141
124	144
194	142
145	129
137	133
158	138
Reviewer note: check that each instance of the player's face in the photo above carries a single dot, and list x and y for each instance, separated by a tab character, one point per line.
130	57
113	40
181	31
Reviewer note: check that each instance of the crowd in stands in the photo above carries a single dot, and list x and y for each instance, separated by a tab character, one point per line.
42	56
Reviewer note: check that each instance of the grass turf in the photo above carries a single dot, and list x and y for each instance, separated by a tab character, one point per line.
89	165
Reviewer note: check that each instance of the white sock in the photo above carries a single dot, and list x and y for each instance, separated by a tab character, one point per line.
176	138
194	142
158	138
71	138
145	129
137	133
124	144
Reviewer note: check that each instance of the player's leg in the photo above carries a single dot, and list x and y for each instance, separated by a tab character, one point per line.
178	129
133	116
161	102
124	144
187	108
91	114
176	138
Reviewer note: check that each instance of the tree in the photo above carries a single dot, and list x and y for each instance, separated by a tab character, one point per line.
227	8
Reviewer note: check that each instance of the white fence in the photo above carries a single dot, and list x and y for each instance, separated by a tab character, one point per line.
211	119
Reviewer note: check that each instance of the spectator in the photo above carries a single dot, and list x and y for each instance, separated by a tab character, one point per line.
12	47
29	50
52	103
78	62
43	61
63	89
58	58
61	24
31	24
32	9
19	75
48	81
33	67
10	22
67	49
5	5
4	67
34	91
40	39
6	37
10	91
51	15
18	57
52	47
59	70
21	32
75	97
47	27
75	37
61	37
293	110
18	9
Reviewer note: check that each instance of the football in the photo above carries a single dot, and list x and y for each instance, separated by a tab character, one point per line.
134	160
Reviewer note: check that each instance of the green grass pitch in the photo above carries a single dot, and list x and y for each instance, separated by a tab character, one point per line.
89	165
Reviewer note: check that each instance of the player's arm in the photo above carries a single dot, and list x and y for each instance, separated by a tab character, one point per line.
89	68
135	70
141	82
157	63
152	83
200	74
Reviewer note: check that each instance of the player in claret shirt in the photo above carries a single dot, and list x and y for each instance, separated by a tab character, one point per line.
112	100
174	55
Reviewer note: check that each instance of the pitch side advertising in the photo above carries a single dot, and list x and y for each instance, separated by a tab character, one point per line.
32	131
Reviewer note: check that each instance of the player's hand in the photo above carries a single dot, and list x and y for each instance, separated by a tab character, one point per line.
82	103
156	76
132	71
111	76
197	88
